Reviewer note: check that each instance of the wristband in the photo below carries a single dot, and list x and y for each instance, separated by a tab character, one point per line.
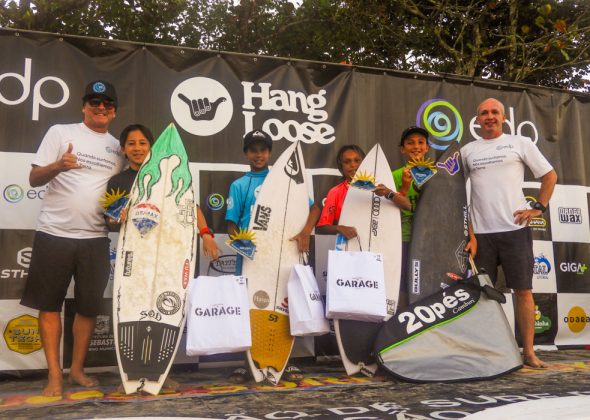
391	194
206	231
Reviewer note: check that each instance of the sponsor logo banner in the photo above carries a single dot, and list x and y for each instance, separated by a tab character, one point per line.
568	210
544	277
573	319
571	265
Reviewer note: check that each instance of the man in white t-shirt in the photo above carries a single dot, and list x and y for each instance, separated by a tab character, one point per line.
75	161
500	215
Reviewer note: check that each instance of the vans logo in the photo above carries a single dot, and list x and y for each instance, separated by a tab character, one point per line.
261	218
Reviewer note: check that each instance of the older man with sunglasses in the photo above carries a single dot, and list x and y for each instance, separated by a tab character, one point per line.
75	161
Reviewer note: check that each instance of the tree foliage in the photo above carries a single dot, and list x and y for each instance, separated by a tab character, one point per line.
544	42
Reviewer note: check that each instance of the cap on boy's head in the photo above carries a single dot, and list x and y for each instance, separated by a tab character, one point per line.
411	130
256	136
100	89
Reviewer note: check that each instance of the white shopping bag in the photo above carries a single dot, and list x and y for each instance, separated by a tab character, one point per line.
356	286
218	316
306	306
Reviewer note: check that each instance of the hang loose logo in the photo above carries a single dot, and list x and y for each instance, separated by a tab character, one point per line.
205	113
201	109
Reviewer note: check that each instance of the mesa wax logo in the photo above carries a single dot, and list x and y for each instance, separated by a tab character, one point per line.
201	106
570	215
542	322
22	334
260	97
576	319
542	267
442	121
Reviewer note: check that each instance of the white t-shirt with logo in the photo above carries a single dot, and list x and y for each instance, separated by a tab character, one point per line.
496	168
71	207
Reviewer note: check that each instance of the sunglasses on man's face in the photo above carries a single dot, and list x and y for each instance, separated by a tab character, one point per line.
95	103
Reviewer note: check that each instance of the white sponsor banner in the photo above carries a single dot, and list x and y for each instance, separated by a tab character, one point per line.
544	280
19	203
569	214
573	317
21	344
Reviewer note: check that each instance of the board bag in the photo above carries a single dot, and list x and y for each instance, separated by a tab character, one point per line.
457	334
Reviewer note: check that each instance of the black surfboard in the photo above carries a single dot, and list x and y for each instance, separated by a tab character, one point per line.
436	258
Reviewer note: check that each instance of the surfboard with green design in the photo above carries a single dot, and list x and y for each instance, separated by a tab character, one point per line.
154	263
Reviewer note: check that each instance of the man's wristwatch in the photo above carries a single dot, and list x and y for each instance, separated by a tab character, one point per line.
390	195
538	206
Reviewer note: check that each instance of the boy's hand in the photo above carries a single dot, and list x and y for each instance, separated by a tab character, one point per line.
381	190
348	232
123	215
406	181
302	239
210	248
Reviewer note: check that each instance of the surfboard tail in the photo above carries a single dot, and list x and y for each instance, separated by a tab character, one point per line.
146	348
271	343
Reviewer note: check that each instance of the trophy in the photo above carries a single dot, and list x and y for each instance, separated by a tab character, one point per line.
364	181
243	243
421	170
113	203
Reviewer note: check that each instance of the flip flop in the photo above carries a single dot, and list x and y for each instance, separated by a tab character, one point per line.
293	374
239	376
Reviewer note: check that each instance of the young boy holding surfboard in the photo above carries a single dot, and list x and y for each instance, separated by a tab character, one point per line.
348	160
413	146
241	199
136	142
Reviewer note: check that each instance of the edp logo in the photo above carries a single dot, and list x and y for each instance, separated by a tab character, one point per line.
38	100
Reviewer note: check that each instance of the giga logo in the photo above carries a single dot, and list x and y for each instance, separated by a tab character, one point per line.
14	193
202	106
573	267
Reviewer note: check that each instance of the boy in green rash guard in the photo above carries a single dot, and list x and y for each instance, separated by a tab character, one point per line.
413	145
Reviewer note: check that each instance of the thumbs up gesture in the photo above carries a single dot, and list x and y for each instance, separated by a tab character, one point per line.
69	160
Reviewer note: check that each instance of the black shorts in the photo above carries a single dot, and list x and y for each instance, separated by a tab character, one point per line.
512	250
53	263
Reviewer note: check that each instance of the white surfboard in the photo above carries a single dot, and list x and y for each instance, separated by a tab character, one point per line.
280	212
154	264
377	221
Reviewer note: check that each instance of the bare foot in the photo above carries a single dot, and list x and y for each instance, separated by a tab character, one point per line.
82	379
534	362
54	387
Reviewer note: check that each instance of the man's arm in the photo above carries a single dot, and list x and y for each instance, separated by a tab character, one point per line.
41	175
548	182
